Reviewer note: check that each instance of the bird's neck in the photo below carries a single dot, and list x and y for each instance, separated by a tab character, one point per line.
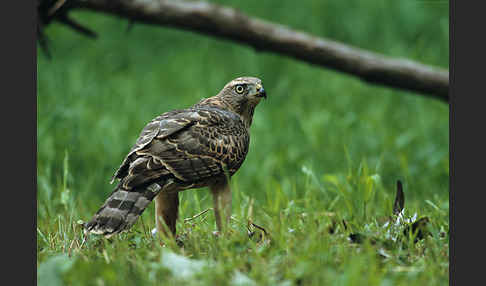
247	116
244	110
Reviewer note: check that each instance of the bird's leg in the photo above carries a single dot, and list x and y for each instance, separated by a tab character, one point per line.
166	211
221	203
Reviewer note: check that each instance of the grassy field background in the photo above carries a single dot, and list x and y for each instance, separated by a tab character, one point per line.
325	147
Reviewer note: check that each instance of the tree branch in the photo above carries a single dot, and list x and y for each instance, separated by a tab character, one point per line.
228	23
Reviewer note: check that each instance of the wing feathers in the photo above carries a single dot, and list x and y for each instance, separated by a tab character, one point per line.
192	145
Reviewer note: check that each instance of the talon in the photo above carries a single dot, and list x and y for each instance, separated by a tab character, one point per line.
179	241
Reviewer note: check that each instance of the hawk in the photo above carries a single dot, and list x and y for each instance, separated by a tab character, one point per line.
201	146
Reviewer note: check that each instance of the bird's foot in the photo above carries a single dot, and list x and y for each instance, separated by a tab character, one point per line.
178	238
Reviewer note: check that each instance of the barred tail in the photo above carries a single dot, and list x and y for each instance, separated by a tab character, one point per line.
121	210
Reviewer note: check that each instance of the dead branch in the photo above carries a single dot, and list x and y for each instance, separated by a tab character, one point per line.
230	24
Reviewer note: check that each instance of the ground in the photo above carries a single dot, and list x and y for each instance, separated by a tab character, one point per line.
325	148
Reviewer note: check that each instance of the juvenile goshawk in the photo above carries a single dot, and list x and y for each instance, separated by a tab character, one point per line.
203	145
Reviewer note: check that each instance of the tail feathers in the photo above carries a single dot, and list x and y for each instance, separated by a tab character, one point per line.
121	210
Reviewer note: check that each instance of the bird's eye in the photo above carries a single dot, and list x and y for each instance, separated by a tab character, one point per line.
239	88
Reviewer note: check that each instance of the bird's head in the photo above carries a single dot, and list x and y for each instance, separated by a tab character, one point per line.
244	89
242	95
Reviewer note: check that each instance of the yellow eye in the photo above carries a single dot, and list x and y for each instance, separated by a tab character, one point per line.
239	89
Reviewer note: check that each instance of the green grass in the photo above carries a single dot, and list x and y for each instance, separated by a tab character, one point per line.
325	147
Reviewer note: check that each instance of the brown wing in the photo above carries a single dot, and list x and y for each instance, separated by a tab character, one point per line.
193	145
163	125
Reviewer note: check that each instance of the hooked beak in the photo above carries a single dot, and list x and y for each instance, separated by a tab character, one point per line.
261	92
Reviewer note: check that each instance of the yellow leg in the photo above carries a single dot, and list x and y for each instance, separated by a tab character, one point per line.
166	211
221	203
